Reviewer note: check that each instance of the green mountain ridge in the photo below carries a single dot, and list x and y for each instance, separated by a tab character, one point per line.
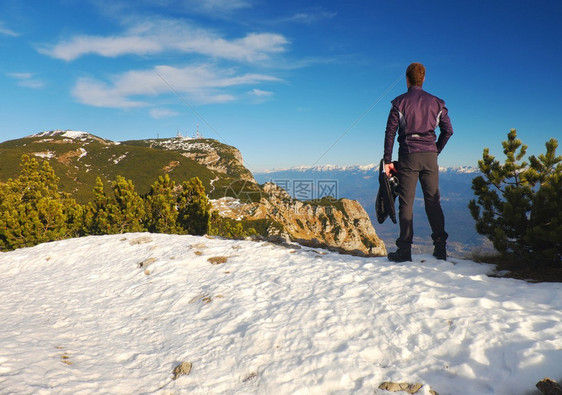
78	158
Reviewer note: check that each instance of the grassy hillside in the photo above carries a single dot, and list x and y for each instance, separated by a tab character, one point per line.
79	158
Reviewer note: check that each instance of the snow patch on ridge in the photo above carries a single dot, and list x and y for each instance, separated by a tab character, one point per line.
182	144
83	153
45	154
120	158
72	134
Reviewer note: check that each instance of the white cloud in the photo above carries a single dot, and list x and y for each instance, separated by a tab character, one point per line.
27	80
211	8
7	32
217	5
99	94
201	83
158	113
34	84
20	76
310	17
260	93
104	46
156	36
260	96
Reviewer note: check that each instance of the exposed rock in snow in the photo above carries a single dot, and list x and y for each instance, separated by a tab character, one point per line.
183	369
395	387
549	387
45	154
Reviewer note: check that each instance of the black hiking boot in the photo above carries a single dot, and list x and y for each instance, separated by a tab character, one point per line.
400	255
440	251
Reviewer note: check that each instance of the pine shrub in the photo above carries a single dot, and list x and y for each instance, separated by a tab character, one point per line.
518	205
121	212
230	228
161	211
194	209
33	210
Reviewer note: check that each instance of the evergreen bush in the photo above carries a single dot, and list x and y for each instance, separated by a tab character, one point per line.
518	205
33	210
194	209
127	213
161	211
230	228
120	213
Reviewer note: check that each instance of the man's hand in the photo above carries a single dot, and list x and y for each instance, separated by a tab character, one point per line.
389	167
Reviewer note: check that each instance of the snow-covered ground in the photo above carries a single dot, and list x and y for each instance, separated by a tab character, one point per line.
116	314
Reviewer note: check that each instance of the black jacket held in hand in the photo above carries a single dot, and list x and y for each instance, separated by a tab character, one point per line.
386	196
415	115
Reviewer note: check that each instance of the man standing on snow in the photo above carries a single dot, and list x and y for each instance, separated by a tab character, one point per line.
415	115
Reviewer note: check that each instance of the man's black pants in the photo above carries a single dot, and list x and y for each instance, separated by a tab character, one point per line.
422	166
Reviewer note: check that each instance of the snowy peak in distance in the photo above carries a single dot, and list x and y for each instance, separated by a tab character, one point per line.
459	169
325	168
360	168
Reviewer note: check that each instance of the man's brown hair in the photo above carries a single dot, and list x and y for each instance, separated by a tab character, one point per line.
415	73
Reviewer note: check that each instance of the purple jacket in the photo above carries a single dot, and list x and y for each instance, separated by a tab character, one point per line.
415	115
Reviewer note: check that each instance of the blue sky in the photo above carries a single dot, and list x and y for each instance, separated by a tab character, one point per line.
288	83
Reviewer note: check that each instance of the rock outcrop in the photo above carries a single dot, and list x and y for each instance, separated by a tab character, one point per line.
183	369
341	225
210	153
549	387
403	387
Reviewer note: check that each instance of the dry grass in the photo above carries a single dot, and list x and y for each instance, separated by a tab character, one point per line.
217	260
65	358
250	377
206	298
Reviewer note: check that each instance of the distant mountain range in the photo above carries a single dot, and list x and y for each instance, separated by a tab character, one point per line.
361	183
